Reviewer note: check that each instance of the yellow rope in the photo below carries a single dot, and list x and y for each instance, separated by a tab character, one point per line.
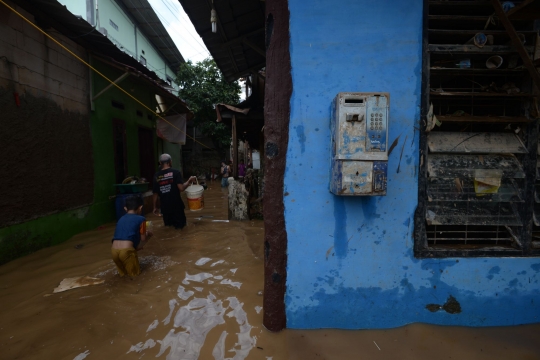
97	72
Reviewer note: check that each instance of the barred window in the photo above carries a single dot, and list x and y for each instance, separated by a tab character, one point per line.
478	188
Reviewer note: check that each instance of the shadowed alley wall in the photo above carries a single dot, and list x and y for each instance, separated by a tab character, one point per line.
46	162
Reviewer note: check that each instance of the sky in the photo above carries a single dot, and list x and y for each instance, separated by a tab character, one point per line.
181	30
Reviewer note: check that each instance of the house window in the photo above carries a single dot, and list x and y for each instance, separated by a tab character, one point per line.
478	137
115	27
117	104
142	60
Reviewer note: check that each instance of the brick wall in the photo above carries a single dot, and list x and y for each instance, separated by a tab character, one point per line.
46	162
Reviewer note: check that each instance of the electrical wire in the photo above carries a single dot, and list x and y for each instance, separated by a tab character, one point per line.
154	30
100	74
182	24
201	45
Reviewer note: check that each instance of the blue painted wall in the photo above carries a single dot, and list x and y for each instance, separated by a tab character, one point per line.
350	260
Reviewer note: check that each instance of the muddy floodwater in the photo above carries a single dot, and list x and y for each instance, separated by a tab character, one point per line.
199	297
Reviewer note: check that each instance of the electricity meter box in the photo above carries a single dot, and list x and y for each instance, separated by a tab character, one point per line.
359	144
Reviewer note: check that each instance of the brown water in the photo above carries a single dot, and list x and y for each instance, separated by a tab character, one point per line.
198	297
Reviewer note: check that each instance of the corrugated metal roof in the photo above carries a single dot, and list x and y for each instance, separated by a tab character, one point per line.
238	46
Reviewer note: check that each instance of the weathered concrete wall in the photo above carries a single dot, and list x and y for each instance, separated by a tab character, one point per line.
350	260
45	124
123	35
46	159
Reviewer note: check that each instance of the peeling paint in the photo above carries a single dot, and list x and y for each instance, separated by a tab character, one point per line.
377	282
451	306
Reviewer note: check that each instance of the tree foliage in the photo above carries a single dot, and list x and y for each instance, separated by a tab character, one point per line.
202	86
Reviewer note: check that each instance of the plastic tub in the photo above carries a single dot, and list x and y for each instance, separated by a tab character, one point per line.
195	197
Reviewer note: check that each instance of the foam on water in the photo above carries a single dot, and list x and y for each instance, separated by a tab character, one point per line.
82	356
202	261
193	320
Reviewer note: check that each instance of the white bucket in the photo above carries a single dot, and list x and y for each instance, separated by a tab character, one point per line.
195	197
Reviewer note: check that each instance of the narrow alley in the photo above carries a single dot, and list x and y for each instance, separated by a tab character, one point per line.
199	297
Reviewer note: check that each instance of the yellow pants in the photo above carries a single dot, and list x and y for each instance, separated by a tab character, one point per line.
126	261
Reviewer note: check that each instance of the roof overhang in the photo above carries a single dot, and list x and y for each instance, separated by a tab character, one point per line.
52	14
249	121
238	46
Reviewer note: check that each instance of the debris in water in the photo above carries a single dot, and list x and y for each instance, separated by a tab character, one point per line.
150	343
219	348
197	277
234	270
376	345
202	261
78	246
258	309
82	356
152	326
217	262
172	305
232	283
77	282
183	294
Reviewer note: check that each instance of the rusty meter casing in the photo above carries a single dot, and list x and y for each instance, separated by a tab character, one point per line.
359	144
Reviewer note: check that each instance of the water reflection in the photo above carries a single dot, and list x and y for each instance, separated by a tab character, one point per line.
194	317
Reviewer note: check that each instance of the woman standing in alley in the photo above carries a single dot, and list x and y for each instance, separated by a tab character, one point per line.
225	171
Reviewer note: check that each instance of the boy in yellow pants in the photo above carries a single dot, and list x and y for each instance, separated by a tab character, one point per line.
129	237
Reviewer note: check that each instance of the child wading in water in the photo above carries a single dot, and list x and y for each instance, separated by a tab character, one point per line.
129	237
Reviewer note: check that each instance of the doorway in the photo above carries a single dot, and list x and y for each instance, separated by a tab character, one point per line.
146	154
120	150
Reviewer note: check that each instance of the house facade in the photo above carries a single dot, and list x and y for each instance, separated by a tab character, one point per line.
70	135
449	234
363	262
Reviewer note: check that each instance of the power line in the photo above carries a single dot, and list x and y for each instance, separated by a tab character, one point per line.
169	24
100	74
181	23
160	37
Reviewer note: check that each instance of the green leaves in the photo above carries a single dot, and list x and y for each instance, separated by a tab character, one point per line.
202	86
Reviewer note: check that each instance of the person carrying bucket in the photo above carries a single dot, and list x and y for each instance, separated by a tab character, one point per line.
168	184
